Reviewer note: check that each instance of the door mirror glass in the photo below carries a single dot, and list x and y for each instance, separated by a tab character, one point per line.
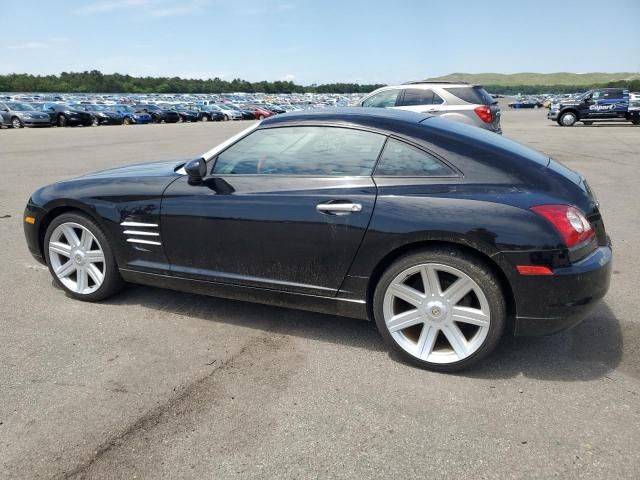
196	170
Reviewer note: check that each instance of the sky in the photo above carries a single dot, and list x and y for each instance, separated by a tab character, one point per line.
319	41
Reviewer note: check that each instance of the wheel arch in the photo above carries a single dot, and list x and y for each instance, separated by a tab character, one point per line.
54	211
423	245
569	110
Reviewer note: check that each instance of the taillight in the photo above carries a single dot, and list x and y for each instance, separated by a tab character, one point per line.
484	112
571	224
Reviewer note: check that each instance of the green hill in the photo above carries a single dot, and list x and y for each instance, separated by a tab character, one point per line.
526	78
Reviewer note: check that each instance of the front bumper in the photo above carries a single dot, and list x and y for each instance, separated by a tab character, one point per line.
550	304
32	230
36	122
553	114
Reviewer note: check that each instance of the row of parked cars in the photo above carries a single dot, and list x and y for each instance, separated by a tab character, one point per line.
17	114
32	110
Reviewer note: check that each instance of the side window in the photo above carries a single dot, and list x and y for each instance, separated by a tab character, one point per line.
320	151
437	100
384	99
416	96
613	94
402	160
597	95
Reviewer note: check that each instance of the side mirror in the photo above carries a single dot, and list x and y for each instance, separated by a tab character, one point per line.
196	170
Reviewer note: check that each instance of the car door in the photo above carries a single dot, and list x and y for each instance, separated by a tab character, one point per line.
615	102
284	208
4	114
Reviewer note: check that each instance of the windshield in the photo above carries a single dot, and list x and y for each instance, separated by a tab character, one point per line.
19	107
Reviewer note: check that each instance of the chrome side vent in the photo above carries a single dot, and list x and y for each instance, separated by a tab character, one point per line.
143	233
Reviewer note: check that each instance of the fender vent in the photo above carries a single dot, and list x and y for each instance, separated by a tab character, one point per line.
143	233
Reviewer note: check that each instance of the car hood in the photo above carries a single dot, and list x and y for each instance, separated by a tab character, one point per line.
152	169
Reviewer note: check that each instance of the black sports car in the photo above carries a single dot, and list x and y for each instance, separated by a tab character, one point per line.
446	235
101	114
64	115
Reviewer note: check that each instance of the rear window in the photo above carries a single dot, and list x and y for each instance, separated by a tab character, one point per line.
475	95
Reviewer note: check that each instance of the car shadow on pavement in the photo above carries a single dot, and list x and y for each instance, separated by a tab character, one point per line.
588	351
285	321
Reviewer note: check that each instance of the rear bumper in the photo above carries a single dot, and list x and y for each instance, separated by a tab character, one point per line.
550	304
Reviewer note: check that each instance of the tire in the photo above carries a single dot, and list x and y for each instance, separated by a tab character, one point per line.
61	250
636	122
62	120
205	118
424	340
126	121
588	123
568	119
260	117
16	122
96	122
226	118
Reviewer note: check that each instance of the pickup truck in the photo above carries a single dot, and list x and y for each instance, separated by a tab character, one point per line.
599	105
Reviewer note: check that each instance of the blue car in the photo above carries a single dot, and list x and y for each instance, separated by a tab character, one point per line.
130	115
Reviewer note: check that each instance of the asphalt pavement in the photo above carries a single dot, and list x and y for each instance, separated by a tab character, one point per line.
159	384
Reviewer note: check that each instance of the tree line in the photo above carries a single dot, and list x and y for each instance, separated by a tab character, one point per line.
97	82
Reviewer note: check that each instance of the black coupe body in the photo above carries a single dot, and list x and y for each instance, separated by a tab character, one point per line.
446	235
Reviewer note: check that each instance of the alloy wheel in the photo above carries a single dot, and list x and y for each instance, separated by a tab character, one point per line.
77	259
15	123
436	313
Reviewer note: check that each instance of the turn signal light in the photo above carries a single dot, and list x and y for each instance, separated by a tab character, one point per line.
30	220
570	223
484	112
533	270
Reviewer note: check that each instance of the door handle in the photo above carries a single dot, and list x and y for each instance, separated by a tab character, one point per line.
339	208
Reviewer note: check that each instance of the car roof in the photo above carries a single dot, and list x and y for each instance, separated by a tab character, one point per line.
351	115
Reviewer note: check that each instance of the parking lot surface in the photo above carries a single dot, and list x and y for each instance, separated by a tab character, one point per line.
160	384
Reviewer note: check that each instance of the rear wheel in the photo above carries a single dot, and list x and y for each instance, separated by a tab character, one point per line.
568	119
205	118
80	258
260	117
441	309
16	123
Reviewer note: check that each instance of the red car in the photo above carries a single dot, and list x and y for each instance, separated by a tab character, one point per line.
259	113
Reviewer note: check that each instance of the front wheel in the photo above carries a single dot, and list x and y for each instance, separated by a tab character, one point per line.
16	123
568	119
441	310
62	121
205	118
226	118
126	121
80	258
